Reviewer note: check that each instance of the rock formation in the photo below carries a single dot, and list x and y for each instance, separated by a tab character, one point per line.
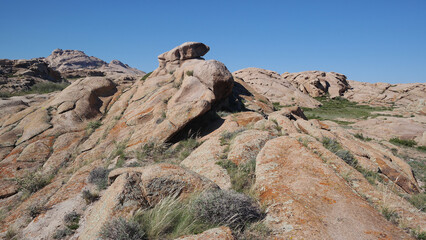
317	83
75	64
105	149
19	75
276	88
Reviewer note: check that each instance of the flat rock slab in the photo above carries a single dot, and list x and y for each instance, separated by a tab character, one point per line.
307	200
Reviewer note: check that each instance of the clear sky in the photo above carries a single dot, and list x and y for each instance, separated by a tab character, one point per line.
367	40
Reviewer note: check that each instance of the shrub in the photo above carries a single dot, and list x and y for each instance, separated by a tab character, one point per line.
402	142
226	137
11	234
89	196
331	144
185	147
420	235
5	94
371	176
277	106
347	157
170	218
119	151
419	201
146	76
421	148
225	207
242	176
91	126
32	182
154	151
334	146
99	177
72	217
35	210
121	229
390	214
361	136
190	73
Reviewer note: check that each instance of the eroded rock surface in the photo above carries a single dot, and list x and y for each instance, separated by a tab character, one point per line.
276	88
298	189
317	83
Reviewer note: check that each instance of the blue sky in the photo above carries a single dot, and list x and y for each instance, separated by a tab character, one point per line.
371	41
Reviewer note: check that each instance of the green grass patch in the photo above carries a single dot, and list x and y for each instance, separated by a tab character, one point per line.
242	175
332	109
146	76
38	88
419	201
402	142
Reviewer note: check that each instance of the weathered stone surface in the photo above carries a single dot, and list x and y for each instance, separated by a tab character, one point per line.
391	127
407	97
74	64
379	196
185	51
277	89
251	99
220	233
34	124
45	225
247	145
103	209
62	151
81	101
37	151
317	83
312	129
203	161
306	200
373	156
169	100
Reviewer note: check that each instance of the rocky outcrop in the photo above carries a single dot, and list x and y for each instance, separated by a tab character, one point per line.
20	75
306	200
277	89
317	83
408	97
241	143
74	64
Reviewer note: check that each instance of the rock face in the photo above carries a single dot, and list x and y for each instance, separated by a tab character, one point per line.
76	64
276	88
19	75
317	83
